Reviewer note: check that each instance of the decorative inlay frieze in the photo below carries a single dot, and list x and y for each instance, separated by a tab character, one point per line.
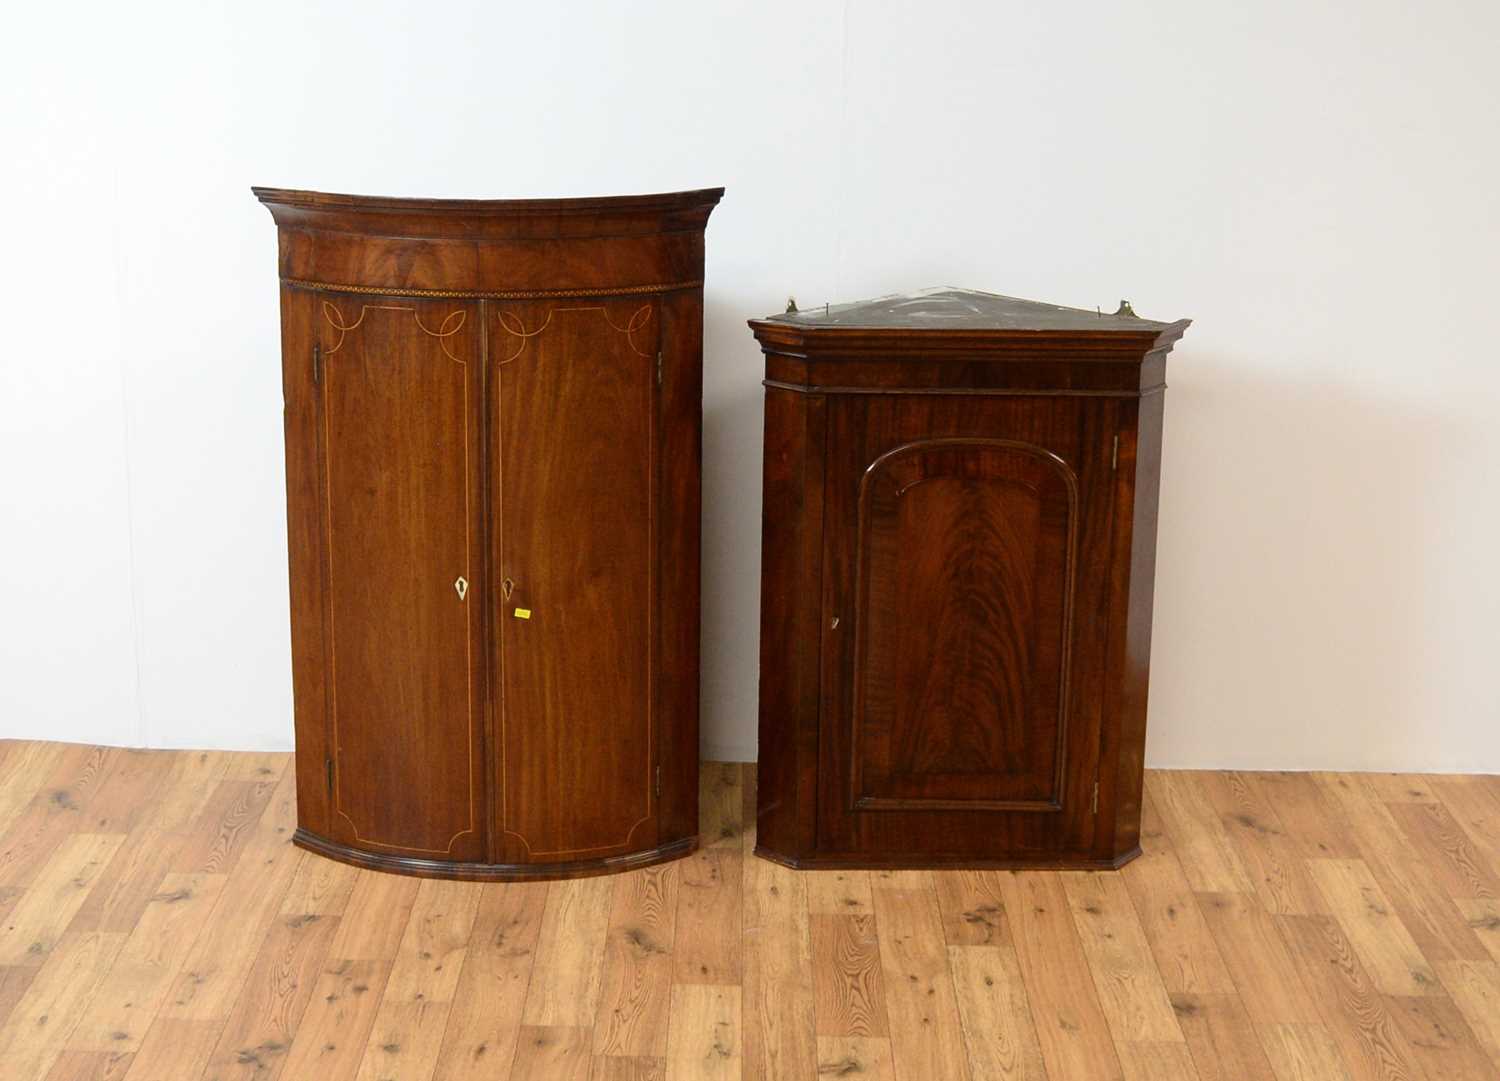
452	323
512	325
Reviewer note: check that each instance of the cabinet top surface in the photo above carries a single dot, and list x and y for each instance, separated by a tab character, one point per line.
963	310
660	201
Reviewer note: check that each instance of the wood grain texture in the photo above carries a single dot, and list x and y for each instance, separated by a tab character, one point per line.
485	1022
635	999
1180	939
848	986
709	918
999	1032
565	975
705	1040
920	999
1070	1024
241	975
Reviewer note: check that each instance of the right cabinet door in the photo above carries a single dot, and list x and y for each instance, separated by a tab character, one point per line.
573	502
966	542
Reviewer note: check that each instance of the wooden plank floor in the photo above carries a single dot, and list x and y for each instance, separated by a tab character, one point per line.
155	923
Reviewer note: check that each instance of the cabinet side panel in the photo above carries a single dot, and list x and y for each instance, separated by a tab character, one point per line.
1134	570
790	592
305	573
680	454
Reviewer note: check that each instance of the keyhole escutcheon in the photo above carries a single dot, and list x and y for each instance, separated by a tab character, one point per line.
462	586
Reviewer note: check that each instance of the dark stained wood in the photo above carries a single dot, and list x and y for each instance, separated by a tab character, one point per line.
494	405
958	553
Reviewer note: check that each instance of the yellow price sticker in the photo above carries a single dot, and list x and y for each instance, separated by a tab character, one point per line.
523	613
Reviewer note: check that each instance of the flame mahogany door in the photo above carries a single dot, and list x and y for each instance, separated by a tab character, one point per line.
965	546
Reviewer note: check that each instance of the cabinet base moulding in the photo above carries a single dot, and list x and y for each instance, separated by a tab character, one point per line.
494	872
927	861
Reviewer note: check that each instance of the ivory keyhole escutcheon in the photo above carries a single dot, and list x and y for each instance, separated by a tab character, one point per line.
462	586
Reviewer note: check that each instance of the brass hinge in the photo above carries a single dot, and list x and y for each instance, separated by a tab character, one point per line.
1094	804
317	364
658	368
658	782
1114	455
328	767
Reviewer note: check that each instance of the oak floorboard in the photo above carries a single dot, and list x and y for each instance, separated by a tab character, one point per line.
1221	1037
58	997
485	1021
628	1068
848	987
776	1006
155	921
139	981
1207	856
58	808
838	893
1440	931
1267	851
1265	973
862	1058
565	975
709	918
1385	947
635	999
1475	805
553	1053
1180	940
1129	985
334	1032
705	1041
1474	987
1304	1052
925	1029
14	980
1438	1038
1351	1007
174	1048
721	803
91	1066
973	908
1070	1023
30	931
999	1034
257	1035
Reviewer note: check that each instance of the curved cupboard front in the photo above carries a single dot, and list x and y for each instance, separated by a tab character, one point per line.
493	434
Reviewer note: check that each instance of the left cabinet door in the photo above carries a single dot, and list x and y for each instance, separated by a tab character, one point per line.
396	385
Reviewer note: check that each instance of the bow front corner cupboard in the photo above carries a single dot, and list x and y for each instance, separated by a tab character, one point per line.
493	438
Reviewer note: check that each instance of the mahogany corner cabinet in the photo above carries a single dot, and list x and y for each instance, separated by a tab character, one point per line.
493	437
958	550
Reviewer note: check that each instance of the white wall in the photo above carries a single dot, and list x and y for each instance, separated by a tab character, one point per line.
1312	182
